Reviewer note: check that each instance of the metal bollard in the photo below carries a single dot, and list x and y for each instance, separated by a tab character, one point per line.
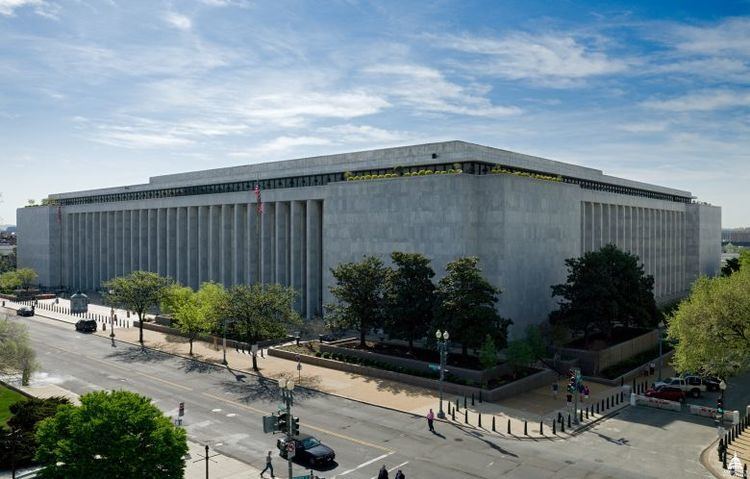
509	426
587	412
568	419
472	399
465	402
597	408
456	403
466	416
554	427
541	427
453	414
480	420
581	418
525	428
562	426
607	403
480	396
720	447
493	424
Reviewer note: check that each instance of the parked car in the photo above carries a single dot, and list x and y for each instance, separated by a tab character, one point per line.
308	450
712	383
25	311
670	393
692	385
86	326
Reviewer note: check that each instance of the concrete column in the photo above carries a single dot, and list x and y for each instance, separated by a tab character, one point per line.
204	227
239	244
314	237
597	241
103	248
111	271
268	220
118	243
297	261
152	241
214	249
95	246
161	241
126	252
181	246
171	239
77	262
253	244
193	273
226	252
89	275
143	220
135	245
69	252
282	243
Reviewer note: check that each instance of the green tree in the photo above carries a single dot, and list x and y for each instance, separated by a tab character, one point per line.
488	353
519	355
712	326
26	414
139	291
194	312
605	288
16	353
9	281
466	306
410	297
117	435
260	311
360	290
731	265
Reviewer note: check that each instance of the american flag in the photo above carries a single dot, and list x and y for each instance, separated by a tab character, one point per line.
259	207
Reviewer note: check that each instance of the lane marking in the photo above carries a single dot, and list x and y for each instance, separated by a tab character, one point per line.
365	464
306	425
393	468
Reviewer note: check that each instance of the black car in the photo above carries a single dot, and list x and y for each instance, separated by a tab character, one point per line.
86	326
25	311
308	450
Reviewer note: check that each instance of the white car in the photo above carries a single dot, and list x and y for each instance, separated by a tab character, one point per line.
692	385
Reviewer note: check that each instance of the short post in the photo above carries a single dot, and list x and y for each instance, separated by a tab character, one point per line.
597	408
465	402
493	424
509	426
480	420
456	403
554	427
607	403
541	427
562	426
568	420
480	396
720	447
581	412
472	399
466	416
453	414
587	412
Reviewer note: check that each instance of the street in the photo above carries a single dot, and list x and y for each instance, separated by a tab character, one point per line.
223	408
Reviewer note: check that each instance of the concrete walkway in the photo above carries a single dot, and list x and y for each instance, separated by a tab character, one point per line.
524	412
220	466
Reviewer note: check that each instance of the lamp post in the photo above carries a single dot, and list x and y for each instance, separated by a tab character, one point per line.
661	334
224	339
442	342
112	321
722	388
287	394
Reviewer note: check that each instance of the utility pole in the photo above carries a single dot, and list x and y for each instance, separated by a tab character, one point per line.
287	388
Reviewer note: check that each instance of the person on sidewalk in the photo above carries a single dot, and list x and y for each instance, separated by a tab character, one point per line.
555	390
269	466
651	368
430	420
400	475
383	474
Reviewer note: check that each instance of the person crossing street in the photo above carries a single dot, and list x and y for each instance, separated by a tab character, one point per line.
269	465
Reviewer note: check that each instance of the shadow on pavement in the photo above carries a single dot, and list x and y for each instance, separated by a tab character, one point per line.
263	389
393	386
195	366
136	354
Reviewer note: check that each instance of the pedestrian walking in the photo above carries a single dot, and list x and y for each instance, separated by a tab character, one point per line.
555	390
383	474
652	368
400	475
430	420
269	466
586	392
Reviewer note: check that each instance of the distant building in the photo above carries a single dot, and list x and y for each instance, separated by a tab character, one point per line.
736	236
445	200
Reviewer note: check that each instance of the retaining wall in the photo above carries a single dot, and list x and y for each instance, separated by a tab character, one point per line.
593	362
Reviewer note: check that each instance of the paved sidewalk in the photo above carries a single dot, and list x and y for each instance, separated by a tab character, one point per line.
220	466
531	407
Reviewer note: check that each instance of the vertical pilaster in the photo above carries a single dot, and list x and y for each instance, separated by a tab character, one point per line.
181	246
204	227
214	249
135	244
297	256
152	241
126	252
143	240
96	245
193	271
226	252
314	258
253	244
281	243
161	241
171	239
239	244
268	219
89	277
111	269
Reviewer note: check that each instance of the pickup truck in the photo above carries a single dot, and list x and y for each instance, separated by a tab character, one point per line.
692	385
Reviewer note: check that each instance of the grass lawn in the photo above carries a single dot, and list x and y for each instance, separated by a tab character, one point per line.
7	397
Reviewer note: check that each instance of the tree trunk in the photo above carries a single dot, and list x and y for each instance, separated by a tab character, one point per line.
191	345
362	337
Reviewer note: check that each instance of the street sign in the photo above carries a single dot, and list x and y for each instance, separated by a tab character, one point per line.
290	449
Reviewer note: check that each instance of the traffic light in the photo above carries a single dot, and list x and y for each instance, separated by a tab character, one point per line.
295	426
283	423
720	406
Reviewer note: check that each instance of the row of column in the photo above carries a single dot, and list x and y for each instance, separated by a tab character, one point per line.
656	236
228	243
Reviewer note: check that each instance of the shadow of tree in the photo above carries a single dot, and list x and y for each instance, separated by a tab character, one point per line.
136	354
394	386
263	389
192	365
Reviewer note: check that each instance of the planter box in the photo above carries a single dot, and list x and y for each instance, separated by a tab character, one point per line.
592	362
479	377
633	373
231	343
539	379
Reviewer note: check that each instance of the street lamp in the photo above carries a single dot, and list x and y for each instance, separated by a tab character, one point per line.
287	394
722	387
442	342
224	339
661	329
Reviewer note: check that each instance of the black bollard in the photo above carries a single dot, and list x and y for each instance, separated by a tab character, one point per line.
493	424
479	421
508	426
472	399
597	408
525	428
554	428
744	471
541	427
456	403
587	412
568	420
453	414
607	403
562	426
464	402
721	446
603	405
581	418
480	396
724	460
466	416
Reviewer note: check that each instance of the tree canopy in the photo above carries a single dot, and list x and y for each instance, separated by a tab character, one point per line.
27	277
604	289
259	311
360	290
16	353
466	306
194	312
21	447
410	297
712	326
117	435
139	291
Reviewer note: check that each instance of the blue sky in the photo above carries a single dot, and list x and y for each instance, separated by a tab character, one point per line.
100	93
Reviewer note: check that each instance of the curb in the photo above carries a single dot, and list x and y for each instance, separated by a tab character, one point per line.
706	462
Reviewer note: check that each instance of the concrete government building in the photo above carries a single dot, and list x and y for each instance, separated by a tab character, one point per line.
521	215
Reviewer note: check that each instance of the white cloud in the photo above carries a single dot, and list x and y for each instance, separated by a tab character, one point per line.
427	90
179	21
281	144
349	134
731	36
644	127
552	60
703	101
41	7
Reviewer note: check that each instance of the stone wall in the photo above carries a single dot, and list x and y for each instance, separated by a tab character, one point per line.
592	362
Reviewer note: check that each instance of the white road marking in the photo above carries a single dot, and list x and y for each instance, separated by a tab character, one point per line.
216	410
231	414
366	464
393	468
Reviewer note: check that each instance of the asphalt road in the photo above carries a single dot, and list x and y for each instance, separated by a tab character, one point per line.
224	409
